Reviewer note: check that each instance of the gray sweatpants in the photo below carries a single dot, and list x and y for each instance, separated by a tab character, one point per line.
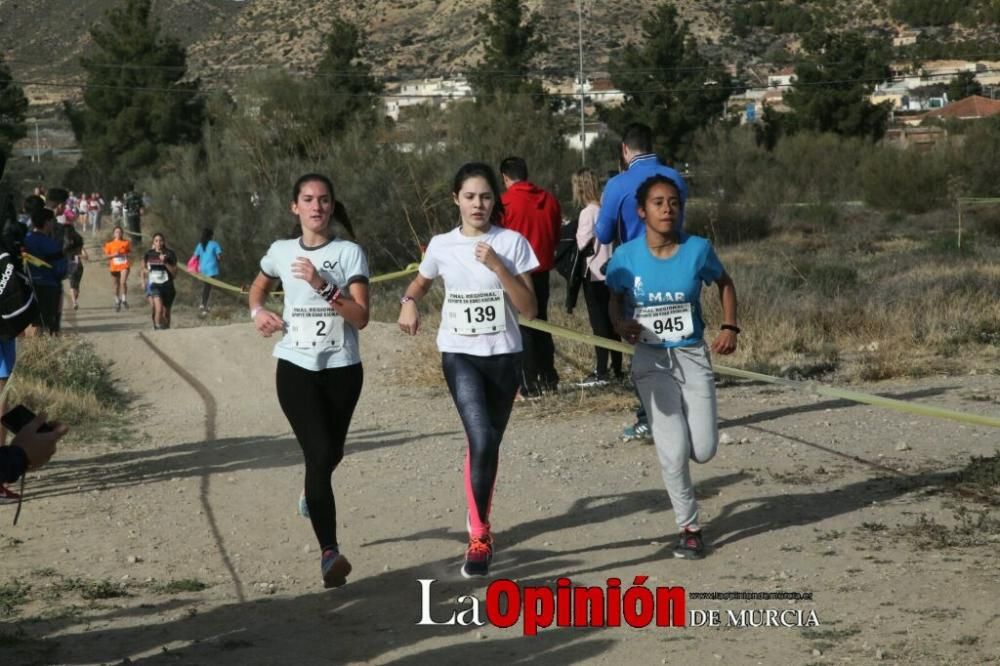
677	388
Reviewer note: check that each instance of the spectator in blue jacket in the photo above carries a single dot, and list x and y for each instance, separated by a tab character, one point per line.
47	280
618	221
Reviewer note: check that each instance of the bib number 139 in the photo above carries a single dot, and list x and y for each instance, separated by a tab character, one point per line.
481	314
474	312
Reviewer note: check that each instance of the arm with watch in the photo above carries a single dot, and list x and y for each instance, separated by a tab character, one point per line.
352	306
725	341
265	321
409	316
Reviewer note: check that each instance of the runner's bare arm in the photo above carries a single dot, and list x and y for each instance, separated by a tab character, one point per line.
353	306
409	316
725	341
266	322
627	329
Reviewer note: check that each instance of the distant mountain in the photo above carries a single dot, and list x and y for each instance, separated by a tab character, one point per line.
44	38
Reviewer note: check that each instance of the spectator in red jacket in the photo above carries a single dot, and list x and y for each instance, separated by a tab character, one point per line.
533	213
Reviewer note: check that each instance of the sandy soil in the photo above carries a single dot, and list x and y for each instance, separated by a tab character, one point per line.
814	495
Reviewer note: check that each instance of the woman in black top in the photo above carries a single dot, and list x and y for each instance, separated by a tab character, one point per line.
159	266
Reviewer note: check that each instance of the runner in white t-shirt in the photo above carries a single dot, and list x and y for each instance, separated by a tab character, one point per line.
485	269
319	374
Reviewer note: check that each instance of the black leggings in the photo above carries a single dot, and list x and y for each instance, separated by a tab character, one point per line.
483	388
319	404
598	297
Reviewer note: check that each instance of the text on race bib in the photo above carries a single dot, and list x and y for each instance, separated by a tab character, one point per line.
315	328
158	277
474	312
665	323
119	261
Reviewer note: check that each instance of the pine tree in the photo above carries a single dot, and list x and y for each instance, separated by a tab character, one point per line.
511	46
964	85
13	108
137	99
303	113
668	84
344	85
832	88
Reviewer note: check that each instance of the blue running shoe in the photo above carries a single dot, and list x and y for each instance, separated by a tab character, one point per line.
335	568
303	507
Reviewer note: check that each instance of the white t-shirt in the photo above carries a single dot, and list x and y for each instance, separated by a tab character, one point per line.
334	341
452	256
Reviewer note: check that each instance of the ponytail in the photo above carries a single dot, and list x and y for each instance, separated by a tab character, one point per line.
340	215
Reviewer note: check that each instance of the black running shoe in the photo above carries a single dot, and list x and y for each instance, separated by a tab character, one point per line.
690	545
335	568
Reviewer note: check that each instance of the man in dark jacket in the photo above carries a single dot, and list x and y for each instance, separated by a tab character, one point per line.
46	280
533	213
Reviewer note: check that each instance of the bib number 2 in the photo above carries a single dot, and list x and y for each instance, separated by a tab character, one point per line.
316	328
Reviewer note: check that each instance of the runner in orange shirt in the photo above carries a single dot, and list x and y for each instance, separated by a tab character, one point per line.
118	250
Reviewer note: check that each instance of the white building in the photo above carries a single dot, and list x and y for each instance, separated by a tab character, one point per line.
591	133
437	92
783	78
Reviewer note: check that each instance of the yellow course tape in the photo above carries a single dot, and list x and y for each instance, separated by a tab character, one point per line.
34	261
812	387
409	270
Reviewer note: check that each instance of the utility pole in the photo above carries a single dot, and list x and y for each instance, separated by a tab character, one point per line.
583	131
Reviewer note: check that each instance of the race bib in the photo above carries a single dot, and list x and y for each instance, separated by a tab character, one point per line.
315	328
665	323
474	312
119	261
159	277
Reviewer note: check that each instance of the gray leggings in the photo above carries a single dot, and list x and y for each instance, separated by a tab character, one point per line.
677	388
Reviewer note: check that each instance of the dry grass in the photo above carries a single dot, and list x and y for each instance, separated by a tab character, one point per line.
65	378
864	300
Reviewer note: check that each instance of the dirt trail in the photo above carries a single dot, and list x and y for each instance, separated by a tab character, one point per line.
810	501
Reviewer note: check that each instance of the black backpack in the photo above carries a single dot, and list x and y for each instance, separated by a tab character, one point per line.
18	306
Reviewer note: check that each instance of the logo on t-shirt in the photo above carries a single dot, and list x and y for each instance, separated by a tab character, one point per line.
637	289
330	265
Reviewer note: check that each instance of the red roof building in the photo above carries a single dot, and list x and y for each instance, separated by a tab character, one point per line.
973	107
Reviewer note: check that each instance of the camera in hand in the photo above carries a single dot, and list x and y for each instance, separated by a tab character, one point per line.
19	417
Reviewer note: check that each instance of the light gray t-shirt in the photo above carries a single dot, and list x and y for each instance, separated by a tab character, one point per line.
316	338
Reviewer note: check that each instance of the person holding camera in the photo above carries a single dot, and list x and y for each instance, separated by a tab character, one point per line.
33	446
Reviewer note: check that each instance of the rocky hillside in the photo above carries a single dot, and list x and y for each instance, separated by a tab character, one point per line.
44	38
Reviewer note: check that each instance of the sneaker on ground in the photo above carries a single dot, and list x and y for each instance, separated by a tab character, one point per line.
118	306
125	304
303	507
8	496
478	557
335	568
638	431
690	545
594	379
526	393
